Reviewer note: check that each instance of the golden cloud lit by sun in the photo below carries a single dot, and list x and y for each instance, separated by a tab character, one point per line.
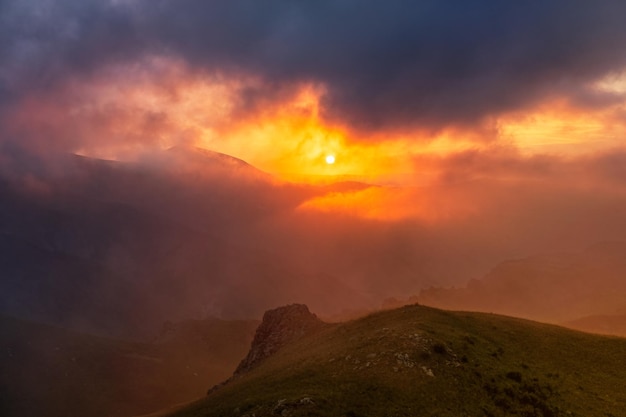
557	127
287	136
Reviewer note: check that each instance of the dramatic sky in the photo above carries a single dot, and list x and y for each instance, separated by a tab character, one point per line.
459	108
463	133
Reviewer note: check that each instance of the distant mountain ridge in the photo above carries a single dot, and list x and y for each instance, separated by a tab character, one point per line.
206	158
190	233
97	236
614	324
554	288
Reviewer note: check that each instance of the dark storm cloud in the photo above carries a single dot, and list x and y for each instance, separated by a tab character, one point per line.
600	170
494	163
405	62
386	64
42	42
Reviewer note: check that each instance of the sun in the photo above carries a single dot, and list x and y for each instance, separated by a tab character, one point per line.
330	159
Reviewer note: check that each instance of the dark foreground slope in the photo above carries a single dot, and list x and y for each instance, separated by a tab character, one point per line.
419	361
47	371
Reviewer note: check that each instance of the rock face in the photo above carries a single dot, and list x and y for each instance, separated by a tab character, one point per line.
278	328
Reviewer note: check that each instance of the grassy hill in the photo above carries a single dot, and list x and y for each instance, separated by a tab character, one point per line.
420	361
52	372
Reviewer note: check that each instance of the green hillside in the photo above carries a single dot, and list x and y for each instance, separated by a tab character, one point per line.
420	361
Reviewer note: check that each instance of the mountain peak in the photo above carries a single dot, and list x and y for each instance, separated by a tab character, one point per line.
205	159
201	154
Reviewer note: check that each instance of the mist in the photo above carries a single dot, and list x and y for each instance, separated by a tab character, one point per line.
131	245
170	170
167	161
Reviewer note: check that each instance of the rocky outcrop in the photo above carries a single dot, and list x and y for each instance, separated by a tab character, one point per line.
279	327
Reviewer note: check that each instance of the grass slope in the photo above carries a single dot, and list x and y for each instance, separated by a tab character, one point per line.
420	361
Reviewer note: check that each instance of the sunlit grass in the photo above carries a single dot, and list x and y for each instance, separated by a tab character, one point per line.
481	365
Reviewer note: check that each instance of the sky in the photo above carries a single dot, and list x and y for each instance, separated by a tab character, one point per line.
496	125
411	94
283	85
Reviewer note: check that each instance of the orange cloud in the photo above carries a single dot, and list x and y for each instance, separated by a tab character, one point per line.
291	140
127	111
430	205
560	127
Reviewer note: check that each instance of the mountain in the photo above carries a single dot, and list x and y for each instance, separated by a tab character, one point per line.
189	233
198	158
602	324
420	361
52	372
44	285
117	248
555	288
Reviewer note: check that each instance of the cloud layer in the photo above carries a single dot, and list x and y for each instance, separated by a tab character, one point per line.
385	65
292	82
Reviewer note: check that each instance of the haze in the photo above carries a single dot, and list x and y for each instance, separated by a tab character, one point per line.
165	160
